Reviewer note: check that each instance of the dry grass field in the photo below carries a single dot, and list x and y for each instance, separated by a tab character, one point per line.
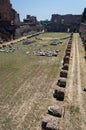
27	82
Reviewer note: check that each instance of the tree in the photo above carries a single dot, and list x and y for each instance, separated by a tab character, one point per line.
46	22
84	15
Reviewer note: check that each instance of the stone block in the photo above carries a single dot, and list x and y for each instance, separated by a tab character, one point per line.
50	123
61	82
63	73
68	47
68	50
59	93
67	53
65	66
69	43
66	60
55	111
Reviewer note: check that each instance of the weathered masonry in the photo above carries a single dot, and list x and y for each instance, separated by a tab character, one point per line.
9	19
83	33
64	23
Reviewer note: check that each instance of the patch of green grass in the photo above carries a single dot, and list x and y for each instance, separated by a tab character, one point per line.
74	109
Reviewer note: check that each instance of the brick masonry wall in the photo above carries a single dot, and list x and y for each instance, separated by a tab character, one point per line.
83	31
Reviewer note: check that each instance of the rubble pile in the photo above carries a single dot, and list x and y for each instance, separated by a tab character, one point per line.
55	42
48	53
8	48
27	41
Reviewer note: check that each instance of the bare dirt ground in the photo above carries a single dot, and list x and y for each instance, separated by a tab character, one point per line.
75	99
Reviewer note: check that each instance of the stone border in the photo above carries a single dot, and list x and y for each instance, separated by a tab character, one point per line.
52	123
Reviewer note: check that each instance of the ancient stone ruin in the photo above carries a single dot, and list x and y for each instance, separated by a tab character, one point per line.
48	53
10	25
64	23
9	20
27	41
59	93
61	82
65	67
55	111
63	73
50	123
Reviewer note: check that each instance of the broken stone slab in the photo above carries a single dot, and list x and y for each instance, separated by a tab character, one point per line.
70	42
65	66
55	111
63	73
52	126
54	54
70	38
45	53
65	62
67	53
59	93
69	45
68	50
44	122
26	42
50	123
61	82
66	58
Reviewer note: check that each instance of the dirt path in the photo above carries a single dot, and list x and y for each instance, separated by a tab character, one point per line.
71	73
75	114
79	95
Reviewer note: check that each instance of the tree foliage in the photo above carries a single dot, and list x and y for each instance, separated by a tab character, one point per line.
46	22
84	15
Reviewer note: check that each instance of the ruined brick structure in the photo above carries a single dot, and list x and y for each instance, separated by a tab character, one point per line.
10	25
83	34
33	22
7	13
83	31
9	19
64	23
28	26
30	20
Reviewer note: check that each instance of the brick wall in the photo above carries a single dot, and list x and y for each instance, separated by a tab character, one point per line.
65	22
83	31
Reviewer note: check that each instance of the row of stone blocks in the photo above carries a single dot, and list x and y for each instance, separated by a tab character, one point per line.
51	122
11	43
59	93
